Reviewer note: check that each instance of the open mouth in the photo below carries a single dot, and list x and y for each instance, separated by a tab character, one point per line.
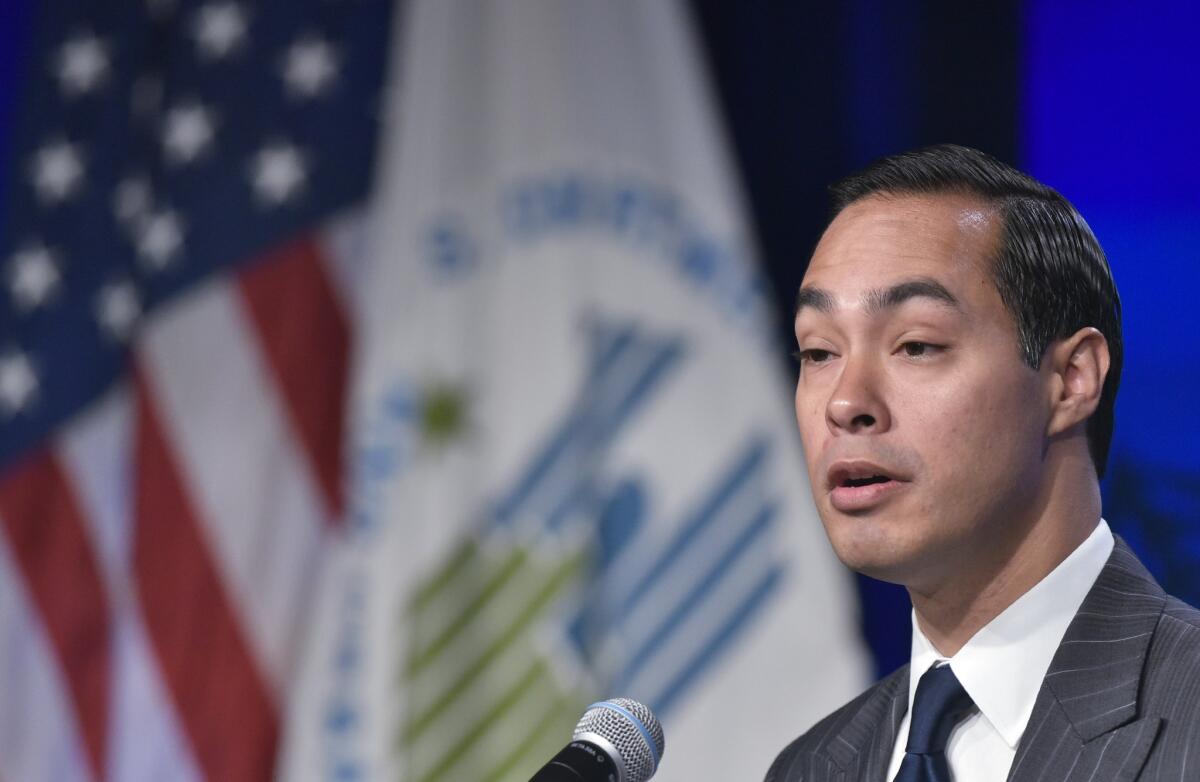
861	486
867	481
854	476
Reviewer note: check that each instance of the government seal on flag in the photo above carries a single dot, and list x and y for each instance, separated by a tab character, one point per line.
577	474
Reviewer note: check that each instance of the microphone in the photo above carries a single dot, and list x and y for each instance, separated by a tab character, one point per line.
617	740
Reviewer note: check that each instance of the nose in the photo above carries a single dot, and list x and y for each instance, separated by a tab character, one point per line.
856	405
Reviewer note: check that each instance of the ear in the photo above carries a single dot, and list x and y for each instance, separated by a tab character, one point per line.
1079	365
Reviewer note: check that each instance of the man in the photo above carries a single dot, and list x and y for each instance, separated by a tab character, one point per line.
960	350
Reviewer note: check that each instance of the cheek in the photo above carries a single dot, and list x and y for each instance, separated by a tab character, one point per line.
810	419
981	431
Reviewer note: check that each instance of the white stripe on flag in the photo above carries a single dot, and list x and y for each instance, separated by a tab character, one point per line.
145	738
95	451
241	465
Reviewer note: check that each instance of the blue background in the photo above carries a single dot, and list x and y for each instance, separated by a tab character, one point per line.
1110	116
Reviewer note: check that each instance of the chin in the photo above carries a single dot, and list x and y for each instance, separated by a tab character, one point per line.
864	546
880	567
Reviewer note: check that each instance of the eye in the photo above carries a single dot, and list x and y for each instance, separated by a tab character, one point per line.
812	356
920	349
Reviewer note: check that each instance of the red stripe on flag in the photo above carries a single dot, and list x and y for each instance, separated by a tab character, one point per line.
46	530
305	338
217	688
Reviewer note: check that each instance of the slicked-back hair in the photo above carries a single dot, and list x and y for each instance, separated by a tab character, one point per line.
1049	269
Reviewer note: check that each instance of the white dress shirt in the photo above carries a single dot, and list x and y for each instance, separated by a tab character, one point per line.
1003	665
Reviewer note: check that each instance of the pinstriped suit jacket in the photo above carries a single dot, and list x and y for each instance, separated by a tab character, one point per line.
1121	700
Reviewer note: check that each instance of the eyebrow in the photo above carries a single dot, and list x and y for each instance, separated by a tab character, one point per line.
877	299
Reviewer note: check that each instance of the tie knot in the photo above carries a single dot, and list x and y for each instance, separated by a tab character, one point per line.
939	705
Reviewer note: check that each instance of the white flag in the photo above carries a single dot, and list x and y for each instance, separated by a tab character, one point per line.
577	473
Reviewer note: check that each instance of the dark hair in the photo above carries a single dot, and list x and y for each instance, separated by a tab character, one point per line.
1049	269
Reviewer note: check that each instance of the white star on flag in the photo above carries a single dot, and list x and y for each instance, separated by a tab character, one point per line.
118	309
188	131
309	68
160	238
277	173
57	171
18	382
82	65
33	277
219	28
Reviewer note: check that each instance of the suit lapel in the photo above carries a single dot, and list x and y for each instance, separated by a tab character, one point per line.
1084	722
862	746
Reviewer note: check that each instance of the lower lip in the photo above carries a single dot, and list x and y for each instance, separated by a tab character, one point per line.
858	498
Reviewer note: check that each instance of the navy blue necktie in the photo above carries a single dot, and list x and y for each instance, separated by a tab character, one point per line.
939	705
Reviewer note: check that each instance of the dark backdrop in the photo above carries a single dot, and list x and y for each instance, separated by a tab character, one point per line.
1097	100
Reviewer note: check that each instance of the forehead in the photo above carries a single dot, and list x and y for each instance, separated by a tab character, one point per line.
882	239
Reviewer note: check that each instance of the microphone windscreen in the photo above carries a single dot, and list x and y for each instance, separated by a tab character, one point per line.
632	729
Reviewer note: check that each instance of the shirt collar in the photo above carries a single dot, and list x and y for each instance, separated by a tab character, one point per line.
1002	666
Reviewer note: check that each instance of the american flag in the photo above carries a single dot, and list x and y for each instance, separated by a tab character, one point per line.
176	328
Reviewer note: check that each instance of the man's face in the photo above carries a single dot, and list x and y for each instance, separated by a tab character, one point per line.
923	429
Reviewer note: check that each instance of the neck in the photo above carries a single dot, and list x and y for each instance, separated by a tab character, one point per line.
951	611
